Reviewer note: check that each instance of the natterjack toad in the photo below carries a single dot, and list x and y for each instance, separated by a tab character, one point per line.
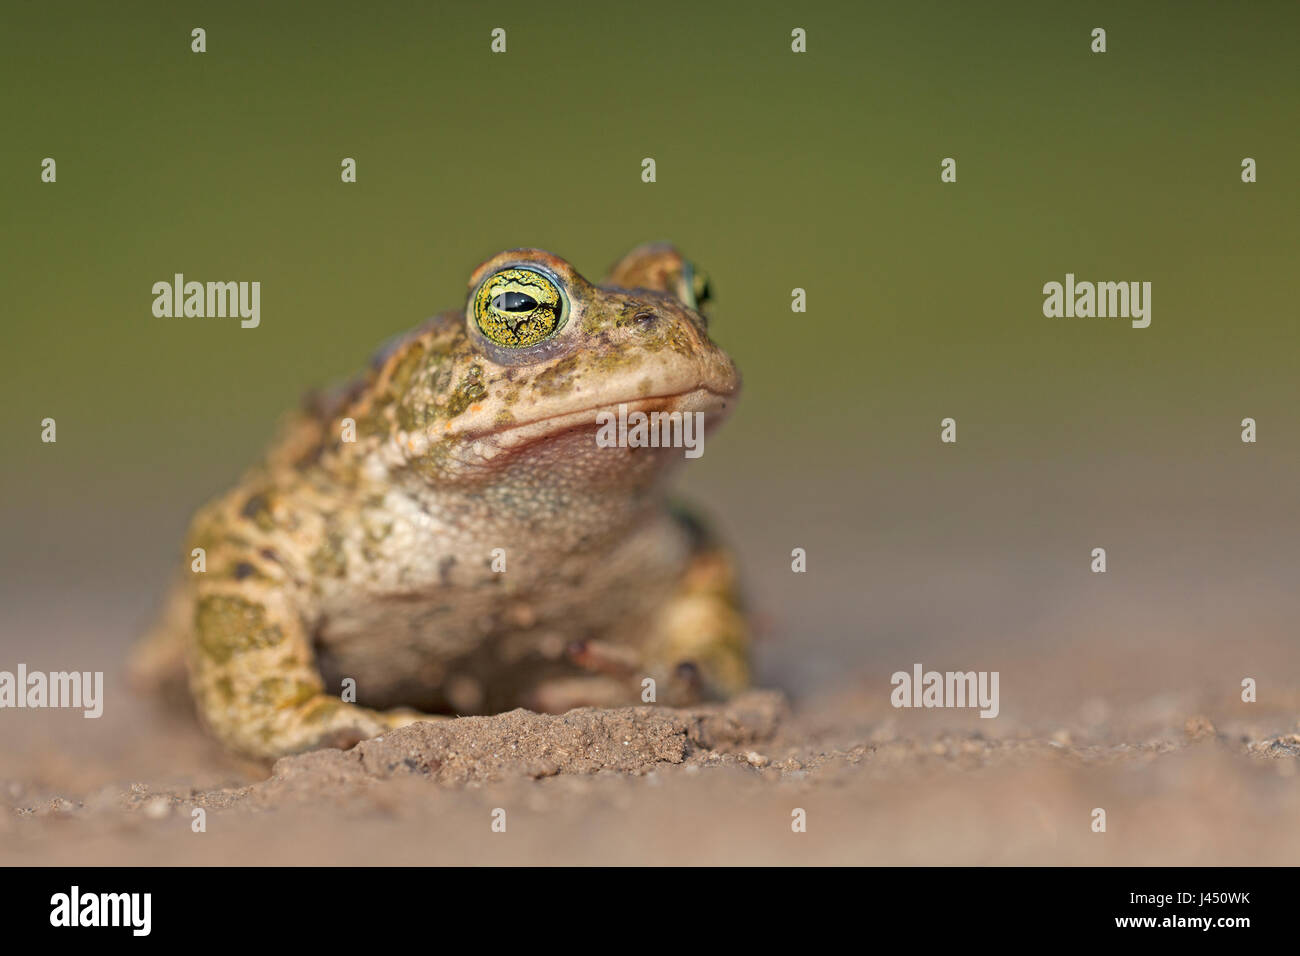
447	536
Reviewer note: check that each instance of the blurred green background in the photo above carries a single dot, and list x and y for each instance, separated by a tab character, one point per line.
775	171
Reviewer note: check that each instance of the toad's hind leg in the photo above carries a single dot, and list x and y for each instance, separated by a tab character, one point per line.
255	682
700	644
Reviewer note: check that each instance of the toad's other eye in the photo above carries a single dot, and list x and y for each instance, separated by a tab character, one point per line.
518	307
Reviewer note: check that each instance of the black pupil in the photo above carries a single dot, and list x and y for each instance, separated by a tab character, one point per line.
514	302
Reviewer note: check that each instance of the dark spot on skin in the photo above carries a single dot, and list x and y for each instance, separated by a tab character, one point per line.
270	555
410	419
244	570
440	377
310	457
697	532
227	626
224	688
329	560
688	672
559	377
258	510
444	570
468	391
254	506
404	369
614	359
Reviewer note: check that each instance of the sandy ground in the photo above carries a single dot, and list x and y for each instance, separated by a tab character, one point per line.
1119	692
657	786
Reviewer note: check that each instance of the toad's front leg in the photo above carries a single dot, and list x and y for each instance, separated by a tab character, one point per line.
254	678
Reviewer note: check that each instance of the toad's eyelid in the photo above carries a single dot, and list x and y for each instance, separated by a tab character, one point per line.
538	274
513	285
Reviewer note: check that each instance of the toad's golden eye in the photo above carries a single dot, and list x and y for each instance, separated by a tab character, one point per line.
518	307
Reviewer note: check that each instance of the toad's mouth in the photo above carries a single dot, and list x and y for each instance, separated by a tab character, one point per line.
513	435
